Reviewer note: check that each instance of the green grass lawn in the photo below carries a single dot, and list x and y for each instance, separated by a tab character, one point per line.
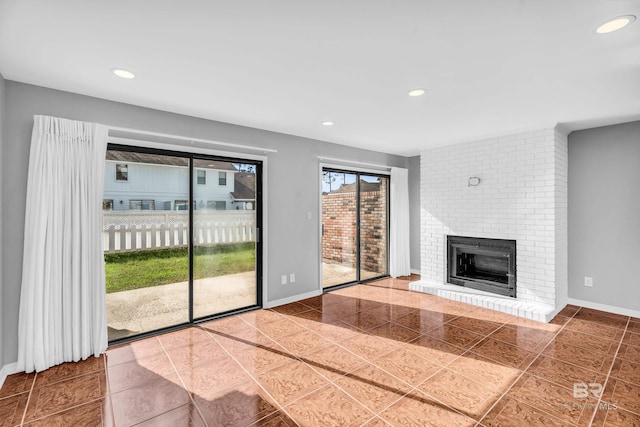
141	269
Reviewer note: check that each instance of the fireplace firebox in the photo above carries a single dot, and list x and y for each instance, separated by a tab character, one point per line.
484	264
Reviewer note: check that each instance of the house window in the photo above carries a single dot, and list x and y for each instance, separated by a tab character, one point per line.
202	177
142	205
107	204
122	172
218	205
222	178
181	205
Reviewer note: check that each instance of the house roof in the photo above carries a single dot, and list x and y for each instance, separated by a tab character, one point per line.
154	159
159	159
351	188
212	164
244	186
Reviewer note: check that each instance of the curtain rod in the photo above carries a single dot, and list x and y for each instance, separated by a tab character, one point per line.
333	159
184	138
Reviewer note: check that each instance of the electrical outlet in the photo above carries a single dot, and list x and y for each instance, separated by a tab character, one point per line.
292	278
588	281
283	279
308	214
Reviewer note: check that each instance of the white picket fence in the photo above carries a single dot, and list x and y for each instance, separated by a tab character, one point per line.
159	217
132	237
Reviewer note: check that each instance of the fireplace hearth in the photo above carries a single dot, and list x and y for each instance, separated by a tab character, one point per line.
484	264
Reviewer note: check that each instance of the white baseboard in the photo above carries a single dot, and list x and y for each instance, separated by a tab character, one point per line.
604	307
415	271
293	298
10	369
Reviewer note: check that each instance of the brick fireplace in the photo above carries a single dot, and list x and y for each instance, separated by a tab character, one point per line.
521	195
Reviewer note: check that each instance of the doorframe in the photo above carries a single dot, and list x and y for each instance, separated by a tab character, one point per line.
262	281
348	167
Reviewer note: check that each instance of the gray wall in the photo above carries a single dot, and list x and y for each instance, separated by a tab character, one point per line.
2	130
604	214
414	211
292	191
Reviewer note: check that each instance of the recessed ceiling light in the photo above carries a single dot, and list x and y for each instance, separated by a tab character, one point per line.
121	72
328	123
417	92
615	24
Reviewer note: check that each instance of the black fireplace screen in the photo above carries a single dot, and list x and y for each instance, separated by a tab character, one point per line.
483	264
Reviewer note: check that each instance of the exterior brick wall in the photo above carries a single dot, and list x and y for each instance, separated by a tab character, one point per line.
522	196
339	222
373	230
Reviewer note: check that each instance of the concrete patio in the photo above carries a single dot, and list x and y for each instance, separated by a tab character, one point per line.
146	309
140	310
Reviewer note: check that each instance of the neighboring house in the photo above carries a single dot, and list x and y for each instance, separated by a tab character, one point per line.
244	195
138	181
365	186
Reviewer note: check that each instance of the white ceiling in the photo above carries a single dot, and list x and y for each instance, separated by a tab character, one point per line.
490	66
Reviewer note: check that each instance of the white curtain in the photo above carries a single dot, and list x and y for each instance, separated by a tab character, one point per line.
399	256
62	303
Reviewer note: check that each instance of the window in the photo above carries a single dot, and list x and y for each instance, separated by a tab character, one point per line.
122	172
219	205
107	204
202	177
181	205
222	178
142	205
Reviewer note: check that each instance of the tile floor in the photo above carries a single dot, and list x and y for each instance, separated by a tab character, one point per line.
373	355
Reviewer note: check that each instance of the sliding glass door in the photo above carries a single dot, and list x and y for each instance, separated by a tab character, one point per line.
339	243
180	238
355	212
374	226
145	242
224	243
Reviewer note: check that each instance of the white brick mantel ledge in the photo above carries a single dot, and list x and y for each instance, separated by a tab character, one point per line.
540	312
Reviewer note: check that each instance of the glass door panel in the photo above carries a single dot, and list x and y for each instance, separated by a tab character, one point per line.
181	238
224	237
374	196
339	228
145	238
